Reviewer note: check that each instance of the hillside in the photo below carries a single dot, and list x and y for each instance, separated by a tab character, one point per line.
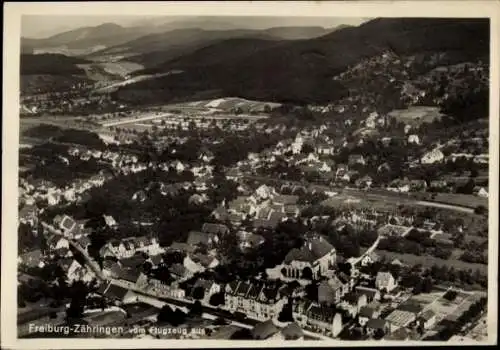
103	35
302	71
51	64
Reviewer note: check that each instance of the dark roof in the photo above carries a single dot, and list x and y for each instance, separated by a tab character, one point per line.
312	250
264	330
32	258
130	275
178	269
214	228
366	311
427	315
133	262
115	292
410	307
156	259
286	199
197	237
182	247
376	323
292	331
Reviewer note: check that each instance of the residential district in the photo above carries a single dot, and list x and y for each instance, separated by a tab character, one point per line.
238	224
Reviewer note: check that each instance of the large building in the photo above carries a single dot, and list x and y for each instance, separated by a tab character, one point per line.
316	253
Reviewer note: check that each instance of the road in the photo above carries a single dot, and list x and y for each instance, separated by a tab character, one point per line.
375	194
135	120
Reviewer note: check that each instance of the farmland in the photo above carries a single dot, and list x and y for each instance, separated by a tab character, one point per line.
416	115
428	261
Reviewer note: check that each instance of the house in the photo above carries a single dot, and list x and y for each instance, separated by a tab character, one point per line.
367	313
178	166
400	319
110	221
432	157
316	253
133	278
292	332
265	330
375	325
209	287
323	319
285	199
274	219
371	293
117	294
369	259
179	272
324	149
163	289
32	258
249	240
414	139
127	247
65	223
28	215
256	299
427	319
84	242
197	238
74	271
352	303
385	281
56	242
364	182
481	192
331	291
356	159
111	269
264	192
215	229
438	184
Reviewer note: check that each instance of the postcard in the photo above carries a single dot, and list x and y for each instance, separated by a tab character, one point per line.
247	174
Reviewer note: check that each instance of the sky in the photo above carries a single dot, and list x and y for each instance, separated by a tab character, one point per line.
42	26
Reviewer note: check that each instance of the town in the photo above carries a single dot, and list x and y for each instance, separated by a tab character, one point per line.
361	219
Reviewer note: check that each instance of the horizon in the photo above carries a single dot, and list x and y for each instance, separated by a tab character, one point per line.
44	26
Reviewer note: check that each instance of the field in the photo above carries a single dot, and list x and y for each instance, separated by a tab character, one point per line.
465	200
428	261
229	103
416	115
122	68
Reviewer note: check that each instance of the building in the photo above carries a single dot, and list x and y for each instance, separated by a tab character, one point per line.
255	299
331	291
32	258
323	319
375	325
367	313
385	281
316	254
265	330
399	319
414	139
432	157
356	159
427	319
116	294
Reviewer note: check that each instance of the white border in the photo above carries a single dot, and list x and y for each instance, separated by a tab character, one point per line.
10	139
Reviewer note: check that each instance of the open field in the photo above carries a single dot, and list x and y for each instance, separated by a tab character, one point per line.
229	103
428	261
416	115
465	200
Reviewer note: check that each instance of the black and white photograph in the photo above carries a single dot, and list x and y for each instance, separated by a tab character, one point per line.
279	177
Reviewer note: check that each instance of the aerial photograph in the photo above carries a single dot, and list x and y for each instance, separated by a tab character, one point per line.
253	178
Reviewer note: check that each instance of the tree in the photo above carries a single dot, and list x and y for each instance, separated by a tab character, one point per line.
165	314
198	293
196	309
307	273
481	210
286	313
217	299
